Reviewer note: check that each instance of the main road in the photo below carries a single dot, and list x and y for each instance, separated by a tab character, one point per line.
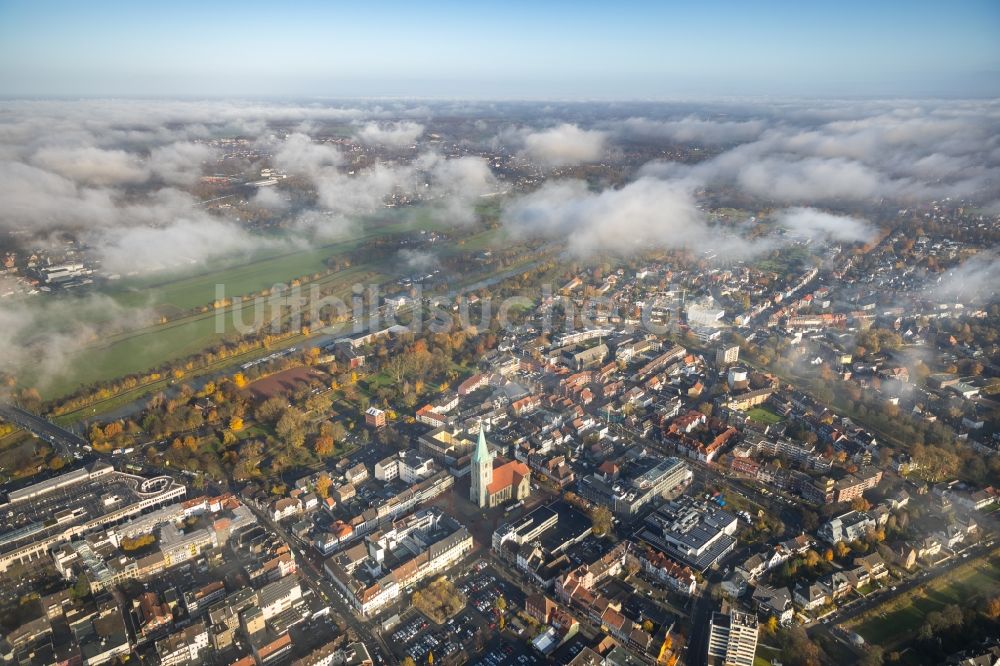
317	581
43	428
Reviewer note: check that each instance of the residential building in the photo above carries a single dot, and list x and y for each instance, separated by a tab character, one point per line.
846	527
732	639
375	417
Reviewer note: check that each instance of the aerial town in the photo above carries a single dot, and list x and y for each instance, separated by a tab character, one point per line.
424	377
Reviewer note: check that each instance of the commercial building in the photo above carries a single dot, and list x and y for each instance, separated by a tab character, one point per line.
183	647
408	466
696	533
537	542
626	492
376	572
41	516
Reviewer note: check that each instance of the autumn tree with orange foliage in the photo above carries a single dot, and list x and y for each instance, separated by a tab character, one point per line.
323	484
323	446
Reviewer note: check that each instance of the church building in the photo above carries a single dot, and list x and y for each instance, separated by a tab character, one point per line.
493	485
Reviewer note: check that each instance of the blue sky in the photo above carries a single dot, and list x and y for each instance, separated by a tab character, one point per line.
512	49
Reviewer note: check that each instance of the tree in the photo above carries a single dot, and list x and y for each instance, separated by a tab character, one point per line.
135	543
236	424
647	626
323	484
842	549
291	428
797	649
601	520
239	380
323	446
271	410
993	608
408	661
873	656
828	555
81	588
772	625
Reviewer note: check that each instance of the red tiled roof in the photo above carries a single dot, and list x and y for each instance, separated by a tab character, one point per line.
508	474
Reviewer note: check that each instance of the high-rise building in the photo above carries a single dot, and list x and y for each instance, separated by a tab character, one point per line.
732	638
727	355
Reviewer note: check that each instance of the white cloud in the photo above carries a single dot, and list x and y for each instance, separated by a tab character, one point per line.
300	154
269	197
182	242
92	166
645	214
859	153
976	280
180	163
394	135
562	145
691	129
817	224
418	260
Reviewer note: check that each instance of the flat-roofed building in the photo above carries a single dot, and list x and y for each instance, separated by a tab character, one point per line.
732	639
696	533
78	502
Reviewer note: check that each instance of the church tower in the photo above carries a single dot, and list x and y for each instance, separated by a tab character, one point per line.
481	470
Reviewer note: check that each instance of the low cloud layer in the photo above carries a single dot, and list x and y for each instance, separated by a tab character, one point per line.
178	244
652	213
418	260
44	337
646	214
690	129
908	152
299	154
393	135
820	225
563	145
976	280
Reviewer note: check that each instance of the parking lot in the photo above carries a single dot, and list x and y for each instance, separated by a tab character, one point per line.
509	654
420	636
471	631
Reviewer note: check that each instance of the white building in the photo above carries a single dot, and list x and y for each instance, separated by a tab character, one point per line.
732	639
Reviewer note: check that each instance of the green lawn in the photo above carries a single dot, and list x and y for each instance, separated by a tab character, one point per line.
765	655
147	348
903	615
762	415
253	274
137	343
